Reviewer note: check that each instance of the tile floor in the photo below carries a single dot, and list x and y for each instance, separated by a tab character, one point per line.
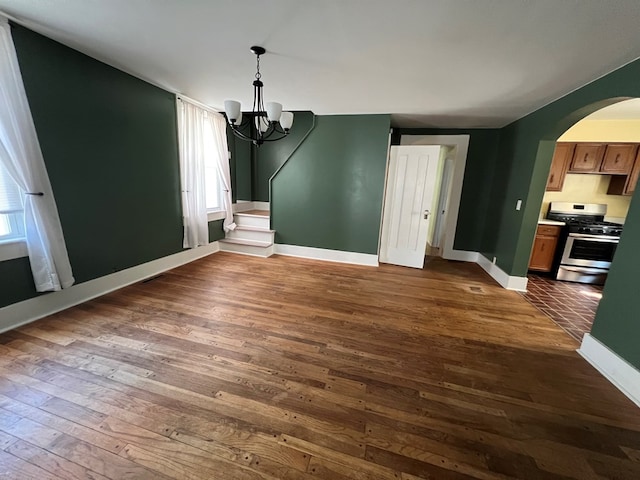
571	305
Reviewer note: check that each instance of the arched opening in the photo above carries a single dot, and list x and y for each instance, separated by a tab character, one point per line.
587	166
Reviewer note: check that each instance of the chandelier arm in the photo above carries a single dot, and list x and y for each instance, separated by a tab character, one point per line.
241	135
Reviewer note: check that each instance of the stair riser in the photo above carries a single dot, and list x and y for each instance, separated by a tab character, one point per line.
251	235
247	249
245	221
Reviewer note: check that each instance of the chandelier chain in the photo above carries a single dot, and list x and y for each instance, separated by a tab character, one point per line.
258	74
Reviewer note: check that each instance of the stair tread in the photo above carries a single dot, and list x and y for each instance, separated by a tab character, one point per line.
254	213
242	241
254	229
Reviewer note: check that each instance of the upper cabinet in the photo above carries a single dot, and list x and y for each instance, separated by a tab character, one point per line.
625	185
561	158
587	158
618	158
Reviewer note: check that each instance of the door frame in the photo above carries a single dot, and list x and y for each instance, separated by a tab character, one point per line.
461	142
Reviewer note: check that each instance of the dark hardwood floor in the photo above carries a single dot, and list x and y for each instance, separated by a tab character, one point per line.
236	367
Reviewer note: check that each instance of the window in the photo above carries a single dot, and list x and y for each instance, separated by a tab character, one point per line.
11	208
213	185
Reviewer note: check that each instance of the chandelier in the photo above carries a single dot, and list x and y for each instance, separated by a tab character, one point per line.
266	124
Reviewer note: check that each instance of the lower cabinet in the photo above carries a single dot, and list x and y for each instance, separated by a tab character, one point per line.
544	248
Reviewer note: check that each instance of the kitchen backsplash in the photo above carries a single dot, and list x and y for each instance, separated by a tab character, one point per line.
583	188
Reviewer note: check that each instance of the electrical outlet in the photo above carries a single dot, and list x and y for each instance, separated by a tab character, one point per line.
518	204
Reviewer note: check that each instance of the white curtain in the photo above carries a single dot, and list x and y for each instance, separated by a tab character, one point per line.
194	124
192	160
219	126
22	159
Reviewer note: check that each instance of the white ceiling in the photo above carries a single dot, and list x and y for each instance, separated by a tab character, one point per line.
445	63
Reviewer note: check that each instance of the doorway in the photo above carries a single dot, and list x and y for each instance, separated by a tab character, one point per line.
458	146
611	134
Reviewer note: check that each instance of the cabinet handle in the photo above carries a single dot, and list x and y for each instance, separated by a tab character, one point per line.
551	178
542	247
617	157
585	157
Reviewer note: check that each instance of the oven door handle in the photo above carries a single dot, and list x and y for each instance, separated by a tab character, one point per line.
595	238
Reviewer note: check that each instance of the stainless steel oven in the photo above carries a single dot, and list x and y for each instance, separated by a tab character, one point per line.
590	243
587	258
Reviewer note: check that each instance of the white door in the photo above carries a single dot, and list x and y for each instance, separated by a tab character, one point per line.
408	205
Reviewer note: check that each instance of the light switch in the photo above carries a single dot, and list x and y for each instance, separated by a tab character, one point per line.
518	204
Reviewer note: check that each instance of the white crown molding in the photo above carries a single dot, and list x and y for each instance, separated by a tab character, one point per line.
27	311
327	255
614	368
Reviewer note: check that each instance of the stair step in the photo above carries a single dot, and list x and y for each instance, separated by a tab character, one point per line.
242	241
247	247
254	229
259	220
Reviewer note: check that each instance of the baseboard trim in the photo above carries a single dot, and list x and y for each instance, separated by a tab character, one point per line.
326	255
509	282
462	256
261	206
27	311
245	205
614	368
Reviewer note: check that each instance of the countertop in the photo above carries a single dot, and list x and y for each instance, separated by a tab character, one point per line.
544	221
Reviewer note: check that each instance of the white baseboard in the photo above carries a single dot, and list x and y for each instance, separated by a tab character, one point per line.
327	255
246	205
27	311
462	256
261	205
509	282
614	368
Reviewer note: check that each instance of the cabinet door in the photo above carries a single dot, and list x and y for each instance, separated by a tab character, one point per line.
618	159
587	158
633	178
544	249
561	158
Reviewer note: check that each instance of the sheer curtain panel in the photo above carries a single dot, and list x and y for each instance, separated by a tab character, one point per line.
191	129
202	135
219	126
22	159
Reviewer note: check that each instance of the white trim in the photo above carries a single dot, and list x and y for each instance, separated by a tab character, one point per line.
614	368
509	282
246	205
327	255
261	206
216	215
13	249
27	311
463	256
461	142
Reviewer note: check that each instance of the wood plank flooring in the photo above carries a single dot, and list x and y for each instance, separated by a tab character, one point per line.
235	367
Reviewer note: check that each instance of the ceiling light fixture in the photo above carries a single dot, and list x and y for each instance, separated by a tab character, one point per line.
266	124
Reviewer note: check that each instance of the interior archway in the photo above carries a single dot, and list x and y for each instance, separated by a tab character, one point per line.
613	121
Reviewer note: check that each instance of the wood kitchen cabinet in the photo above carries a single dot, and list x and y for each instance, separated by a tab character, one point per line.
587	158
544	248
618	159
561	158
626	185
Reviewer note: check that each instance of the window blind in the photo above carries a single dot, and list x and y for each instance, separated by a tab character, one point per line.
10	194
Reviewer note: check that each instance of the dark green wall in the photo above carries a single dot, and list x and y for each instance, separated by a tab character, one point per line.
476	190
329	193
240	166
110	146
523	165
271	155
617	323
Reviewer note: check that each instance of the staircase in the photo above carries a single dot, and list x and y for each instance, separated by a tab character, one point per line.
252	235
